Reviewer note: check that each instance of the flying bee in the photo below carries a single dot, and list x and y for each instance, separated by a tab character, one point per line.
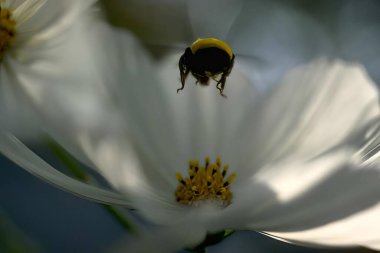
207	58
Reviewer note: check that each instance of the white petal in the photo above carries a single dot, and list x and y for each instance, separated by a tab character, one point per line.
67	84
15	113
80	100
358	229
49	20
83	102
316	107
114	156
63	80
26	10
117	162
370	152
11	4
328	200
12	148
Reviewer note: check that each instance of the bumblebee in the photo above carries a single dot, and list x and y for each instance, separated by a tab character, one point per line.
207	58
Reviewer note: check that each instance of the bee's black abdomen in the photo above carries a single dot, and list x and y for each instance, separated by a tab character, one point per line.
212	59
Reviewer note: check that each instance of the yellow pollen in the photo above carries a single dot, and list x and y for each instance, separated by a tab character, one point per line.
7	29
207	183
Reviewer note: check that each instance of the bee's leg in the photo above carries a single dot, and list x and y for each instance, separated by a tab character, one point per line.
222	82
183	78
220	85
183	69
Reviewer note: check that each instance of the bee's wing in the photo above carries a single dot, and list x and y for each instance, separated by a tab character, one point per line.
158	51
255	68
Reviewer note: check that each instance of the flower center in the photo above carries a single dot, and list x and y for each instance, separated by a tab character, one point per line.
208	183
7	29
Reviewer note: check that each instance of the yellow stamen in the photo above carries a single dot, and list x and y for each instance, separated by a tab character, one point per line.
7	29
206	183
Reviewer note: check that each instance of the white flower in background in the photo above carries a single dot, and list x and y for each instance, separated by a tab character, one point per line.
13	18
53	75
302	157
43	46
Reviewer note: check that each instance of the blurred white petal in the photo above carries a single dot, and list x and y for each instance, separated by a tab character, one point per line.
328	188
15	113
317	107
370	153
61	79
342	232
12	148
21	60
26	10
54	18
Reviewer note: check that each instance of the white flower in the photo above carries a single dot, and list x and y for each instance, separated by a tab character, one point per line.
298	156
296	153
304	152
52	76
54	73
42	48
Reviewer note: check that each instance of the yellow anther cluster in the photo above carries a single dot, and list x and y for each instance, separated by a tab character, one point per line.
7	29
205	183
